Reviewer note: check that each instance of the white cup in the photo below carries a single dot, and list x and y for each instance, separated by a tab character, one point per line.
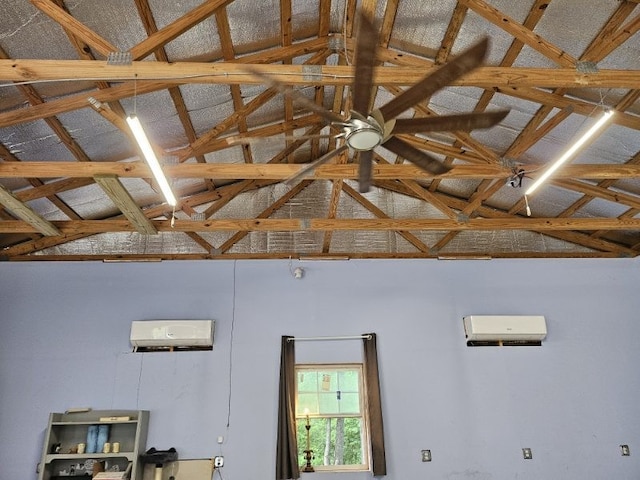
115	447
106	448
82	447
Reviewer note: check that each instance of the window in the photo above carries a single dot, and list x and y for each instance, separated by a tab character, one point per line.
329	398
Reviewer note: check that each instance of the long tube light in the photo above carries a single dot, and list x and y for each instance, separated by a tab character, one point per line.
152	160
571	151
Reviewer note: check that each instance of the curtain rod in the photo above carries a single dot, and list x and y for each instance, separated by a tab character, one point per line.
309	339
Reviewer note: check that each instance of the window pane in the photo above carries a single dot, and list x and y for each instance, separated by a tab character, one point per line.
348	380
349	403
308	401
328	403
327	381
334	441
307	381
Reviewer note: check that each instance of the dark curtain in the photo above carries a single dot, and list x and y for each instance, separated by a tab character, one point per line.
378	460
287	447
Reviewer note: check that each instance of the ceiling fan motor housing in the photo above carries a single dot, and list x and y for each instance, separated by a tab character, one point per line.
363	134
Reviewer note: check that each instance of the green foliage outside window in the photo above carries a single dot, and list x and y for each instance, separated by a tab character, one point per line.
334	441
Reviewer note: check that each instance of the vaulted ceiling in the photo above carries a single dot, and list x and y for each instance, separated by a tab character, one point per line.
74	187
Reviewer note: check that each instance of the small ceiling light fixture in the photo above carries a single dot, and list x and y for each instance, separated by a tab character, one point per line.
152	160
571	151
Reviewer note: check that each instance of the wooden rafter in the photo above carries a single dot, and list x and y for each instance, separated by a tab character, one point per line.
480	167
225	73
125	202
77	28
144	11
228	53
127	90
178	27
275	171
520	32
73	227
36	222
576	238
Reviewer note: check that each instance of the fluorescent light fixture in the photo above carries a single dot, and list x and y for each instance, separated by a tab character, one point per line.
571	152
150	157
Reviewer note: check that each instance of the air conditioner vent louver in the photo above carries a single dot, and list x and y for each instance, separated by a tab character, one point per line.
504	329
172	334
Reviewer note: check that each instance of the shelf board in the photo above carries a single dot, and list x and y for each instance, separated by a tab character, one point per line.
93	422
84	456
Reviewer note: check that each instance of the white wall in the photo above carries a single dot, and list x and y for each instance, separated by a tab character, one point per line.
574	400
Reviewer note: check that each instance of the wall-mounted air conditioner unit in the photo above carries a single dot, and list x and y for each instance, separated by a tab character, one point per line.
505	329
167	334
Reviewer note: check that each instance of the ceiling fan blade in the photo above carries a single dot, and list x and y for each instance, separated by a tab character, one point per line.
315	164
419	158
297	97
365	59
433	82
364	170
449	123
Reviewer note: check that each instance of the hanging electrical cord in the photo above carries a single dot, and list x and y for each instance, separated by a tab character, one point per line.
233	323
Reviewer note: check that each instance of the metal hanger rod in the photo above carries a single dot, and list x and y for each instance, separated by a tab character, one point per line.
318	339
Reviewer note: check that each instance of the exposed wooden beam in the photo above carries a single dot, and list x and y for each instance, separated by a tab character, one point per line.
408	236
463	137
70	24
52	188
274	171
220	143
177	28
240	114
459	13
604	48
126	90
577	238
245	185
343	254
228	53
72	227
522	33
560	101
125	202
224	73
266	213
535	14
23	211
196	196
52	194
528	138
484	191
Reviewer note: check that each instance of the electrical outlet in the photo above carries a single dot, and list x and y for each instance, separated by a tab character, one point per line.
218	462
426	455
625	450
527	454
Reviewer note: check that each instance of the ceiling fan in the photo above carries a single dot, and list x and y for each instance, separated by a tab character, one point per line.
364	129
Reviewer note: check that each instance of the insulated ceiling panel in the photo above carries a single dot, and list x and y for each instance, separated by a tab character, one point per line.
587	209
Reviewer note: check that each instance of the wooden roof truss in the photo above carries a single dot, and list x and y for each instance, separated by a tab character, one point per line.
321	61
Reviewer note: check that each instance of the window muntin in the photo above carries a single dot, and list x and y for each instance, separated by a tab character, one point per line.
332	398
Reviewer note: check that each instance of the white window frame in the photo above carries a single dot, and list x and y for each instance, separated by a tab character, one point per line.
364	415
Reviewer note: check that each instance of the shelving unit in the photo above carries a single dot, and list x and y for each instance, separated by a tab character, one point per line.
66	430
